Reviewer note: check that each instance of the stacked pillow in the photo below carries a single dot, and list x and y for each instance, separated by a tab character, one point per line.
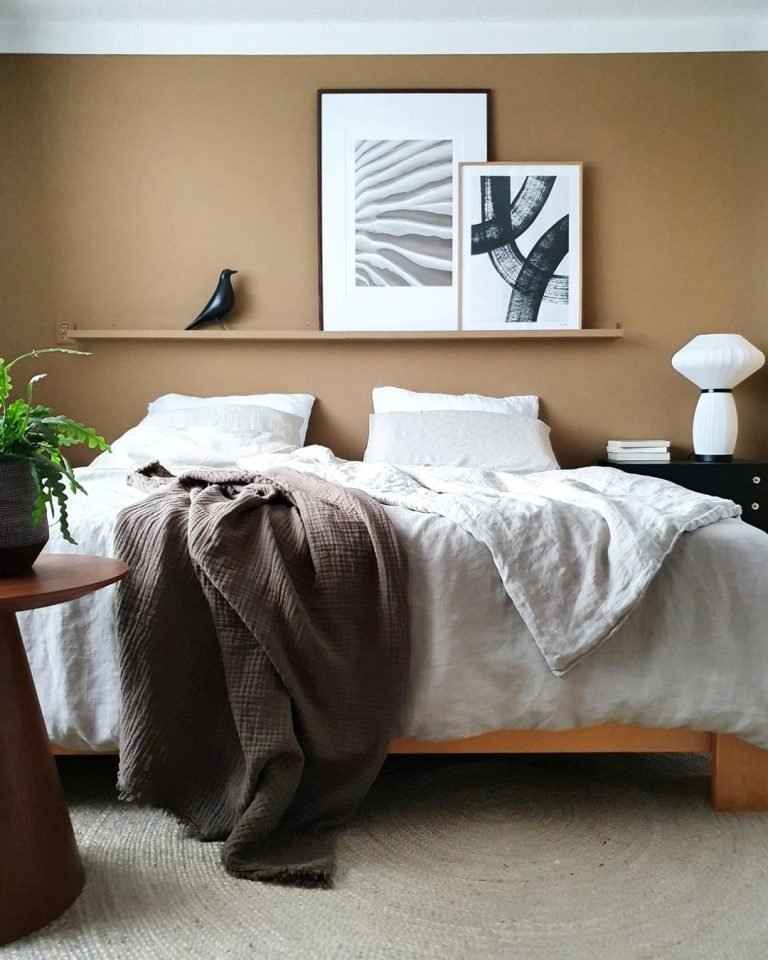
466	430
217	432
299	404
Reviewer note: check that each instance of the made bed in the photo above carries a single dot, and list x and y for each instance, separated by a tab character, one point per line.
685	671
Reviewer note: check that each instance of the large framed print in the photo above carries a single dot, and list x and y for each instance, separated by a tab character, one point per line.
520	246
388	204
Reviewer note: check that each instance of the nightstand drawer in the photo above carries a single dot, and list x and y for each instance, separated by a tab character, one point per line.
743	481
756	511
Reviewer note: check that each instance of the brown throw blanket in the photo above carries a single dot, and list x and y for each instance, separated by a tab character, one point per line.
264	650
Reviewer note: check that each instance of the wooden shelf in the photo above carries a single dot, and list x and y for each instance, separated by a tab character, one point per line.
323	335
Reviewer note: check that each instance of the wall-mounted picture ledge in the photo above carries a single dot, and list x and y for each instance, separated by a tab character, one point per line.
67	334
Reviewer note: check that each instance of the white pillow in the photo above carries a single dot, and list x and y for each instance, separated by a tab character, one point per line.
204	437
299	404
506	442
392	399
242	418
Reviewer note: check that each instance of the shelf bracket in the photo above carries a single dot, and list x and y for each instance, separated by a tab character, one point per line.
65	334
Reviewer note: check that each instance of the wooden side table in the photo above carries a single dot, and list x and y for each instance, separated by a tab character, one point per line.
40	869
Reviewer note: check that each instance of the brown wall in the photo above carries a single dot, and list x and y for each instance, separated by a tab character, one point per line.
129	182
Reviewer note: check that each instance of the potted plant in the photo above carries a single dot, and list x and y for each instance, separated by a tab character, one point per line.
34	471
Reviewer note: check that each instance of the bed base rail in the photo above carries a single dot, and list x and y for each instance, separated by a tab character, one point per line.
607	738
739	770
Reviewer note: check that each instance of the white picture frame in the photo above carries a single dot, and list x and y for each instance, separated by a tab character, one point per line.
520	247
388	205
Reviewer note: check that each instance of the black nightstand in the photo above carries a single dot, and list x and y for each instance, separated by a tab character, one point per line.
745	481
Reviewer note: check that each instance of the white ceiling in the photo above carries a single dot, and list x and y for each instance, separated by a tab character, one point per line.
371	11
380	26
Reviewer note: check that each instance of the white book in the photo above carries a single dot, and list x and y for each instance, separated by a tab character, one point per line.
638	449
634	444
627	457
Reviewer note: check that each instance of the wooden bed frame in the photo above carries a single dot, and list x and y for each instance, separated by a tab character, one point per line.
739	770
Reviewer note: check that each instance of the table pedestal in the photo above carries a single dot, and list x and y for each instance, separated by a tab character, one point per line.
40	869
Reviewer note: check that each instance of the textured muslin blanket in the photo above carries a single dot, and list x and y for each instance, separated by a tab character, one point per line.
264	652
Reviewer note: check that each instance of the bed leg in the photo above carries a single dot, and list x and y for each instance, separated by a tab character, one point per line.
739	776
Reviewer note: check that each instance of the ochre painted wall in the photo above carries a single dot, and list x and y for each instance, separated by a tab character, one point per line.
127	183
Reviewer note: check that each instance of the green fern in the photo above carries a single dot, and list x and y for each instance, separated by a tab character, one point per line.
33	434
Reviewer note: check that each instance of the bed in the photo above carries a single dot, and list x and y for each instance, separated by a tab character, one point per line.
684	672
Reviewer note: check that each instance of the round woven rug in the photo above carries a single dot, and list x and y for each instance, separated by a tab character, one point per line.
537	858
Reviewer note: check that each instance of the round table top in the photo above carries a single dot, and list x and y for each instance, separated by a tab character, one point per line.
56	578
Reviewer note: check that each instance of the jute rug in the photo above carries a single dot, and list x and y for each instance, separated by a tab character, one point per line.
537	858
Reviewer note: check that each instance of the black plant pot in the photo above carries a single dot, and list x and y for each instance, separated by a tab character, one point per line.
20	542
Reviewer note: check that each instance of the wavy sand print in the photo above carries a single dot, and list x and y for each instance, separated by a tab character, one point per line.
403	213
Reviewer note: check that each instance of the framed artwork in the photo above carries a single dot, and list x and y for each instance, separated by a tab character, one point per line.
388	204
520	246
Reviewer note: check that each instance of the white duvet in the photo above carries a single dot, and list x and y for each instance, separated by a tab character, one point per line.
693	652
575	550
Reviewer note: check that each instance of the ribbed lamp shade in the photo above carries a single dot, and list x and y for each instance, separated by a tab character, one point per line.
716	363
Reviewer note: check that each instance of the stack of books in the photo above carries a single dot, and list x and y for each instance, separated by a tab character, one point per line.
651	451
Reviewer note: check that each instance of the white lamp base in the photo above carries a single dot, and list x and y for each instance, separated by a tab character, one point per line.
715	426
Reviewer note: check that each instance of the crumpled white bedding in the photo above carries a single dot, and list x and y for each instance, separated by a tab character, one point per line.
575	549
694	652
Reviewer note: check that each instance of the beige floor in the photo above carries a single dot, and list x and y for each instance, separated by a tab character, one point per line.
549	858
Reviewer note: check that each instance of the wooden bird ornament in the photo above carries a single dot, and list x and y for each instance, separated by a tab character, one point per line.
221	302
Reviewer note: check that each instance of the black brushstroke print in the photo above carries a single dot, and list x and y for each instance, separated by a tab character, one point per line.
503	220
538	269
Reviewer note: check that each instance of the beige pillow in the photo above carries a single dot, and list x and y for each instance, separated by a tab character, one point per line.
506	442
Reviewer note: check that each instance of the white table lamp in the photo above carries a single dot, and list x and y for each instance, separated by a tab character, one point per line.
716	363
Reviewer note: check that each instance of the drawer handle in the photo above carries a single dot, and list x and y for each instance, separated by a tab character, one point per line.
755	506
755	479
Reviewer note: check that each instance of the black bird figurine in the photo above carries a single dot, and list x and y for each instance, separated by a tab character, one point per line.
221	302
